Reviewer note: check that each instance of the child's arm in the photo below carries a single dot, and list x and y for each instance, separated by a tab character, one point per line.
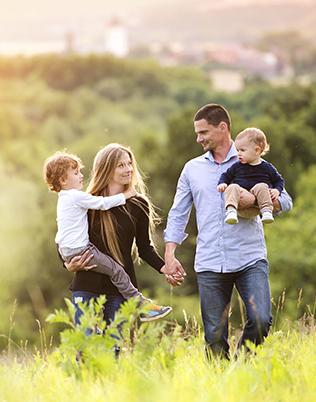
277	182
226	178
89	201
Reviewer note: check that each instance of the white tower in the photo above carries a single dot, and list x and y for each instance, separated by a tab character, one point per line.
116	39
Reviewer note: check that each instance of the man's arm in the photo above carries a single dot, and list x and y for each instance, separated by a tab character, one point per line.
281	204
284	201
173	270
277	180
177	221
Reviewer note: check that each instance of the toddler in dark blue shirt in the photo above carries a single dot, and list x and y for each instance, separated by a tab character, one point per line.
251	173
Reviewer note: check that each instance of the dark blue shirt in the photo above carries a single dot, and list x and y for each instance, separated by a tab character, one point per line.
247	176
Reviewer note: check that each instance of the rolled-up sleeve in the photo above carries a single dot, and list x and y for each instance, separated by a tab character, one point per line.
285	201
179	213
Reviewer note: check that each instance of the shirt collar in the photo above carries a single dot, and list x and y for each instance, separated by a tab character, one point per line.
231	154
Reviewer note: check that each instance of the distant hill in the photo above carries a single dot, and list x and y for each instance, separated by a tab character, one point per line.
193	21
159	20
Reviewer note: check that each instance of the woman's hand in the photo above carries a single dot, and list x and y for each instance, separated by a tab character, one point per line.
80	262
173	279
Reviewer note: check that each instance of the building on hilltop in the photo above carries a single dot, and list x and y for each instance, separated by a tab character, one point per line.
116	38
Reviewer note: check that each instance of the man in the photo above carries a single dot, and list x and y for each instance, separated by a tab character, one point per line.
226	255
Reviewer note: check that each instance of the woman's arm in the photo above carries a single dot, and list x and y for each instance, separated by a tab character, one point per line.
146	249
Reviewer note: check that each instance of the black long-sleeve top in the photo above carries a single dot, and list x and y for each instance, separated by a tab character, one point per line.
127	231
248	176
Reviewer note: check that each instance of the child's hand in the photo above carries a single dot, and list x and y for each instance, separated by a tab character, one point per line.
222	187
131	192
274	193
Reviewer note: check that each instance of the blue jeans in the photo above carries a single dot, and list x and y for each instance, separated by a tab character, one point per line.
111	306
216	289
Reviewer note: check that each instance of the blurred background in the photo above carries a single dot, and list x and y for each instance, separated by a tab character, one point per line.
79	74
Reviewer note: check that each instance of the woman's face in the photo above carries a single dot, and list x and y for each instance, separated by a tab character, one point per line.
123	171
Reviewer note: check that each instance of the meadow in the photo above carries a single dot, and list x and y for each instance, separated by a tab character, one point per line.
81	103
159	361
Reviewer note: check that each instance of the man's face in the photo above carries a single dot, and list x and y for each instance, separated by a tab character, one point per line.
207	135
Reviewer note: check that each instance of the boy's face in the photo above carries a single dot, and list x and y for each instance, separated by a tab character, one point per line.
73	180
248	152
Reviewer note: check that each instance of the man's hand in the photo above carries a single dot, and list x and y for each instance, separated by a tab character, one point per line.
173	267
174	280
247	200
274	193
222	187
80	262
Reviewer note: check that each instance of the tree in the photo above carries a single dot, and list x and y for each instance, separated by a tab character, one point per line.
291	244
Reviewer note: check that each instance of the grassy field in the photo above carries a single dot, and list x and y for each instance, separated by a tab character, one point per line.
160	362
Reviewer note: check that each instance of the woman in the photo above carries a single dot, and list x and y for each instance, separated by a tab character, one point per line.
114	231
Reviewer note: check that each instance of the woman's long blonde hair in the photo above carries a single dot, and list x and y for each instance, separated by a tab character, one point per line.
105	162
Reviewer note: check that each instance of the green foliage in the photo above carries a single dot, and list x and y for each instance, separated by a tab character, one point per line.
292	244
167	367
91	344
79	103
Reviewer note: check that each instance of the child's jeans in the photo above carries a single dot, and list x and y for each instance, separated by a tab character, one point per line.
260	191
106	266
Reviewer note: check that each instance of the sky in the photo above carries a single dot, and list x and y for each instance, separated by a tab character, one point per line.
47	20
16	10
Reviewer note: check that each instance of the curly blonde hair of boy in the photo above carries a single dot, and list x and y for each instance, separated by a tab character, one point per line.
256	136
56	166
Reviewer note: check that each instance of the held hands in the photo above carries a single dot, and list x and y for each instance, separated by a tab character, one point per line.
221	187
173	271
175	279
80	263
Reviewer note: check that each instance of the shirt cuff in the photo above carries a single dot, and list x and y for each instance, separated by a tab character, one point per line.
174	237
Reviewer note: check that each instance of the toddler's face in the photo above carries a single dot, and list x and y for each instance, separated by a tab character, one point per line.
248	152
73	180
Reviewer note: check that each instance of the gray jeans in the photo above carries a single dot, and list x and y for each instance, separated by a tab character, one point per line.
106	266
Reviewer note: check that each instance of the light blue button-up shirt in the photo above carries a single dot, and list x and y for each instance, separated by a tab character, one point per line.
219	247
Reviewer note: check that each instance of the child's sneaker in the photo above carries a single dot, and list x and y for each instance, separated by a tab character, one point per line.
231	217
154	312
267	217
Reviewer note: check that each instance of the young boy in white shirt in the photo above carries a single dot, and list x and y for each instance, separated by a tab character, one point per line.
62	173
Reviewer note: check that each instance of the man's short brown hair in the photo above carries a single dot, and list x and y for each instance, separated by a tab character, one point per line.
213	114
56	166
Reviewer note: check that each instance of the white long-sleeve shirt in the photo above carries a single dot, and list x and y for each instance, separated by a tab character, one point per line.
72	219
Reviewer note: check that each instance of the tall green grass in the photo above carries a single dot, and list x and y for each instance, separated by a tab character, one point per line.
161	361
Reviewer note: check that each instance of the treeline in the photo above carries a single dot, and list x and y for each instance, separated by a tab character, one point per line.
68	72
82	103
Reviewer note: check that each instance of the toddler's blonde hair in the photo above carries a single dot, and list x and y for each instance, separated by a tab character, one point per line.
256	136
